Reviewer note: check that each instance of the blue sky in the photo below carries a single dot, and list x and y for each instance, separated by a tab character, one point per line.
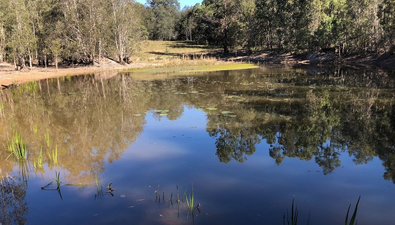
182	2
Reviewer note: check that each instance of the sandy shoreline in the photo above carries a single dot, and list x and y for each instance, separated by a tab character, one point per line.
8	75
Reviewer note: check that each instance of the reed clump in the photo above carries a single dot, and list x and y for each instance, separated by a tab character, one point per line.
17	147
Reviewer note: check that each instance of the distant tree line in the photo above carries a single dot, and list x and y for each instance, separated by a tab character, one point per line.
349	26
83	31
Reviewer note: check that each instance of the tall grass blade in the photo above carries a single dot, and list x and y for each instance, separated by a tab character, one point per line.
354	215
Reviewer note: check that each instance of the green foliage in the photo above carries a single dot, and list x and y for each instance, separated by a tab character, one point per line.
164	16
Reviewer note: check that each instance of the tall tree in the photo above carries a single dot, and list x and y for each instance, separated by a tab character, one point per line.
164	16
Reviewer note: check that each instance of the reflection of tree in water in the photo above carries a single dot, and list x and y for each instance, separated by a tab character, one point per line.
317	122
13	206
91	120
232	142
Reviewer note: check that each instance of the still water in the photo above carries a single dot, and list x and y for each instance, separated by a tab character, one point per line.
105	149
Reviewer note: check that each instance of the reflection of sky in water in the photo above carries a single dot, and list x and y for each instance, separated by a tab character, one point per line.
170	153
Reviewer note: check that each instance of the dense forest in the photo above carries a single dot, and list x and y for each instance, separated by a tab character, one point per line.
83	31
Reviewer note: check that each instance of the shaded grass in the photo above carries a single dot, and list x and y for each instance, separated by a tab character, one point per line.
162	50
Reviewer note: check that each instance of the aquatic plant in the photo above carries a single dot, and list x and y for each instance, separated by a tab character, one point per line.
31	87
2	107
189	199
57	179
58	183
294	215
47	138
178	196
35	129
17	147
354	215
39	163
53	155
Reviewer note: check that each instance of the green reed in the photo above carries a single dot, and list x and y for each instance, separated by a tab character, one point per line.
31	87
2	107
189	199
294	215
17	147
47	138
35	129
354	215
39	163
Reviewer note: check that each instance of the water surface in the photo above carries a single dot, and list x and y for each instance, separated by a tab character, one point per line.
248	142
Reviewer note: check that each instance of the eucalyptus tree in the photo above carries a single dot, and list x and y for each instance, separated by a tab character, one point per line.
18	29
125	27
386	14
187	23
164	16
2	30
81	28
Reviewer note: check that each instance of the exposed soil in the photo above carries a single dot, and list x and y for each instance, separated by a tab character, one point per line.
8	74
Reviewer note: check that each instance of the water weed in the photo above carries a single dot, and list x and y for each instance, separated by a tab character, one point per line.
17	147
39	163
354	215
47	138
35	129
294	215
53	155
189	199
57	182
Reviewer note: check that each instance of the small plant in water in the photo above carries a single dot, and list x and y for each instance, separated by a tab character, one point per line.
47	138
58	183
294	215
35	129
17	147
354	215
39	163
189	199
2	107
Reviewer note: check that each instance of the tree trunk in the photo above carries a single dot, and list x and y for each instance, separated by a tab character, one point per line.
30	61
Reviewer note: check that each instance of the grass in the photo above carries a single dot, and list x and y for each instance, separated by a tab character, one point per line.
2	107
17	147
39	163
189	199
53	155
35	129
294	215
58	183
162	50
354	215
293	219
47	138
31	87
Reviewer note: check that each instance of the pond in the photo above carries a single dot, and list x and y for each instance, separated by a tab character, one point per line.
258	146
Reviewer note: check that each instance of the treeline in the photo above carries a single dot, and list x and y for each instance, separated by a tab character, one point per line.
82	31
349	26
71	31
